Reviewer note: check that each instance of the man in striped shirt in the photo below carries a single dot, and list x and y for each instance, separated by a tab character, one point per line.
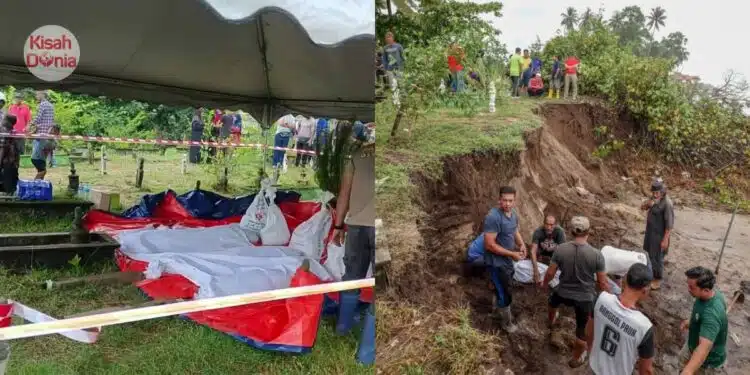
41	124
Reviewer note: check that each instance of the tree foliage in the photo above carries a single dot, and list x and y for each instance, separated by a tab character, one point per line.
86	115
688	125
426	37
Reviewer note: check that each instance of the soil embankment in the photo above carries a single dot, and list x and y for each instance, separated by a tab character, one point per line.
554	174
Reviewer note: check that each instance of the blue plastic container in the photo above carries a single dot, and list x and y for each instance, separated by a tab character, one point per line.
34	190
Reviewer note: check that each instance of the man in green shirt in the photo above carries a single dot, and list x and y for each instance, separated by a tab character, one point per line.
705	350
514	68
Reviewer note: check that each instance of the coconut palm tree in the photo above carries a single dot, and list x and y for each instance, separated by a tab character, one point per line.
569	19
656	19
586	17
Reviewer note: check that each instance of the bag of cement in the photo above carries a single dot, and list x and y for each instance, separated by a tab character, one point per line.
618	261
524	272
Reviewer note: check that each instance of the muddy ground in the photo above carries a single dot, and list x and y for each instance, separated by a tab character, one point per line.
556	174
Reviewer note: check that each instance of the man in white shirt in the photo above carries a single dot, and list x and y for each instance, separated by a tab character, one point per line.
617	334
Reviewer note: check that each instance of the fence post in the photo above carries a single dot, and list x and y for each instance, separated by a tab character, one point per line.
139	174
493	93
183	166
104	160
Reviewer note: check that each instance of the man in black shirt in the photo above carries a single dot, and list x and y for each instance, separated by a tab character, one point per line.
544	241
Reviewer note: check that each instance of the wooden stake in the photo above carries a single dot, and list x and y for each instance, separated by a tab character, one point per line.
729	228
152	312
104	160
139	174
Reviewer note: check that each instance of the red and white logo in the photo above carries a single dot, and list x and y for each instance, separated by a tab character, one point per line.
51	53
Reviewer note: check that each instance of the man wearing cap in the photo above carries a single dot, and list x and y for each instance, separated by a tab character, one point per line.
617	334
23	117
659	224
581	270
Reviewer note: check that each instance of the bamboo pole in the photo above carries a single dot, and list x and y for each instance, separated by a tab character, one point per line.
152	312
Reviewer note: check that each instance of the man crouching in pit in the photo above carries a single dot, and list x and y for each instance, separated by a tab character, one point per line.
503	244
544	241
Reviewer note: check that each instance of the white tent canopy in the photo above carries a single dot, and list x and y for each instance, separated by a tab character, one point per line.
265	57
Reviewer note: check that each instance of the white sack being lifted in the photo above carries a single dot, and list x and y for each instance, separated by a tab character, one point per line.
618	261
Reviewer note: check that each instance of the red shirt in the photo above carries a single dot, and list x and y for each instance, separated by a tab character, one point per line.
536	83
23	116
453	64
571	61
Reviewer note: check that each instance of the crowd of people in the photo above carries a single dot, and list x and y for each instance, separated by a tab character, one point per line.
19	119
308	133
225	125
611	333
525	74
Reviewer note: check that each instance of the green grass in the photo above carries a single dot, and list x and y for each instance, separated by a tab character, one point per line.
163	172
443	132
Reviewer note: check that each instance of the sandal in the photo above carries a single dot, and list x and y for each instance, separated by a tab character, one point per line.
578	362
575	363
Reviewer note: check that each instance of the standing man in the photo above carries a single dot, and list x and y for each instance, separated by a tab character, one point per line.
526	72
581	270
544	241
42	124
571	76
355	208
305	137
556	79
196	133
393	59
503	245
515	67
705	351
285	127
23	117
227	122
659	224
8	157
618	335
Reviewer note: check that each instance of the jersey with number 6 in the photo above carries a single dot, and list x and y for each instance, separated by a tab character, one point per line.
621	337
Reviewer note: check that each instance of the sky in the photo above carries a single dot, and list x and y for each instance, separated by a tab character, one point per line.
713	47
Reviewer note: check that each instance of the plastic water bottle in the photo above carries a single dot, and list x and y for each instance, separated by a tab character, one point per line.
35	190
20	189
48	190
87	192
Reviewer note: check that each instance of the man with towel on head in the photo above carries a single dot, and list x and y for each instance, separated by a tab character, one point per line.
659	224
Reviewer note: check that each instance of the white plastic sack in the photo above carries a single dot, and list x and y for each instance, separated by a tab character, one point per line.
309	237
524	272
276	231
618	261
335	262
256	216
219	260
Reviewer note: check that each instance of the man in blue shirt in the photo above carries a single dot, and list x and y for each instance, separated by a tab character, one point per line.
503	245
